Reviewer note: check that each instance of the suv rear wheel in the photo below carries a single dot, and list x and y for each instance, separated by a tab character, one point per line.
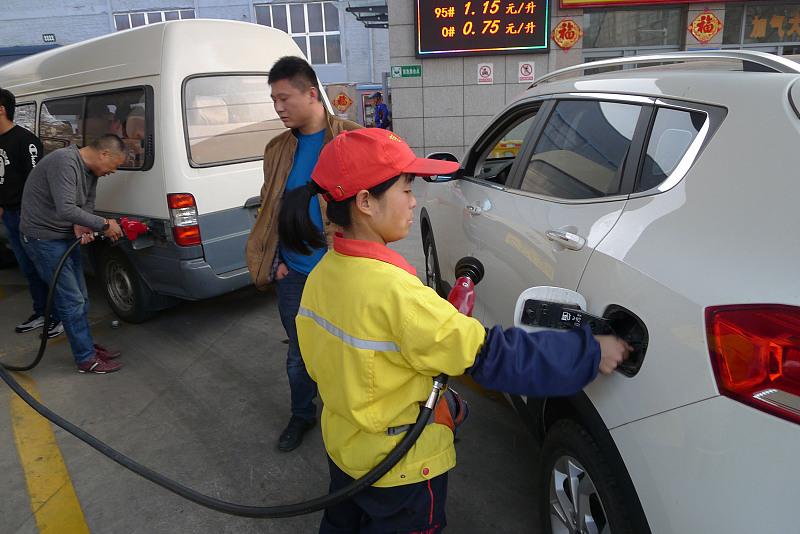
126	292
578	491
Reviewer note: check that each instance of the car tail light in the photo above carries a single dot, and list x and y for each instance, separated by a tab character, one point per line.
183	211
755	351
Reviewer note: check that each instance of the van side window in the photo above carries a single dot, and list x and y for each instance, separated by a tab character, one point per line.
673	132
61	123
228	118
582	150
25	116
123	114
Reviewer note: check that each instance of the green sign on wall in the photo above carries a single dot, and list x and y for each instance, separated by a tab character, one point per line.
406	71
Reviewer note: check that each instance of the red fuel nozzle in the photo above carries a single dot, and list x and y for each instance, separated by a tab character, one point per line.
132	228
469	271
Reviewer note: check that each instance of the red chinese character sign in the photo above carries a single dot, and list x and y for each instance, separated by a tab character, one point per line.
705	26
342	102
567	33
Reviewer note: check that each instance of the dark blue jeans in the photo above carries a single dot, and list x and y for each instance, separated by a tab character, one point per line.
304	390
417	508
71	299
37	287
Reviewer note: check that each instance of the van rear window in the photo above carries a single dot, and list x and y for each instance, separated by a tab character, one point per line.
229	118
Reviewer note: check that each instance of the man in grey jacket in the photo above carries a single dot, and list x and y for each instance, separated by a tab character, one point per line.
57	208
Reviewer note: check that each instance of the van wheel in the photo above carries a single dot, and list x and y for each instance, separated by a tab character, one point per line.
126	292
578	491
432	273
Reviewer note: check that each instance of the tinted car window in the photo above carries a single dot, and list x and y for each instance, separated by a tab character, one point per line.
582	150
496	161
673	132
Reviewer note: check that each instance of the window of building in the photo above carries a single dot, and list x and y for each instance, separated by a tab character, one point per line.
673	132
314	26
25	116
762	23
606	28
228	118
80	120
581	152
124	21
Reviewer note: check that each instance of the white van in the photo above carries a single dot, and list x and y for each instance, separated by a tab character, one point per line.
190	100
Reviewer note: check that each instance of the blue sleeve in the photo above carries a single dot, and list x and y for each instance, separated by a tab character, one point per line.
540	364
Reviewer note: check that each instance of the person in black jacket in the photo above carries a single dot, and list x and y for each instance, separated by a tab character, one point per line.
20	150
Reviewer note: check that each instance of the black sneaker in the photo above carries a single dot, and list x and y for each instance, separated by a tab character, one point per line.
55	330
32	323
292	436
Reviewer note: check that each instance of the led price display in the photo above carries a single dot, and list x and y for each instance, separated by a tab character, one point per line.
460	28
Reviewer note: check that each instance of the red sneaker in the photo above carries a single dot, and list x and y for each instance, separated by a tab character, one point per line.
106	354
99	366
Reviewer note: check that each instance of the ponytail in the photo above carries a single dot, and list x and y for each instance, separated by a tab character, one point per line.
296	230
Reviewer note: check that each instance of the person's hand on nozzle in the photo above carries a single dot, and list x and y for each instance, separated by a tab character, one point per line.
84	233
113	232
613	351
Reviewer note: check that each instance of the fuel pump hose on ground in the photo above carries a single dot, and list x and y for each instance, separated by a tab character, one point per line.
264	512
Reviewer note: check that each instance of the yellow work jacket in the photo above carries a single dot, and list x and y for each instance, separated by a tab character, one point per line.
372	336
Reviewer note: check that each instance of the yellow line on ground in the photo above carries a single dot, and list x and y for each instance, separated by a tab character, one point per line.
53	500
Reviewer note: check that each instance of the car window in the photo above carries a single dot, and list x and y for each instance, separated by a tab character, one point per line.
61	123
122	113
495	162
673	132
25	116
582	150
229	118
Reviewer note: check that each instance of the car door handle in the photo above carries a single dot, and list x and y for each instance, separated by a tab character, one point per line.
479	207
566	239
474	209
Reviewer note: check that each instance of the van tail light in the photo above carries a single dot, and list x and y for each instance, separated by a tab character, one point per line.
755	351
183	212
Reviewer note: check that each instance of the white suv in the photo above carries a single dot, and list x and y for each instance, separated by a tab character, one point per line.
668	197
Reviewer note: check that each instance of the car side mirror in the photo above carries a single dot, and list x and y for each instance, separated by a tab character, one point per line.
444	156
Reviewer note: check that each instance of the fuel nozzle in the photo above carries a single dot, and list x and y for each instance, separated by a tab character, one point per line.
469	271
133	228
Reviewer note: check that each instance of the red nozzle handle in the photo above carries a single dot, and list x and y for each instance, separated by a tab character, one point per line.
132	228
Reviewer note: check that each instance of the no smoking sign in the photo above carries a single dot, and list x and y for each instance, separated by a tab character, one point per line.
485	73
525	71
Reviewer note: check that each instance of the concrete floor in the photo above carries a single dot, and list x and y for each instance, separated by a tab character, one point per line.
202	399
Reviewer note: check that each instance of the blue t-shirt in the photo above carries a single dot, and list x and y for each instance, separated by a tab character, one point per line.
305	158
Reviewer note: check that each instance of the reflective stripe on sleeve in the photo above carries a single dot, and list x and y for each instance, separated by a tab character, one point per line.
364	344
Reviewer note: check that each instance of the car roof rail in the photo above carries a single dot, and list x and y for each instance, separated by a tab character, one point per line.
750	59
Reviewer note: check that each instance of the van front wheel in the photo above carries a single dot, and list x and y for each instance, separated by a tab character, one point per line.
126	292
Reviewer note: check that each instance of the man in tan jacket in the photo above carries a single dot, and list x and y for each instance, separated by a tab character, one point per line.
288	161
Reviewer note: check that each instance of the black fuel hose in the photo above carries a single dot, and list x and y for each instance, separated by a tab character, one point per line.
262	512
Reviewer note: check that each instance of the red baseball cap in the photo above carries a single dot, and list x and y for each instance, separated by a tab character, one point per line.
363	158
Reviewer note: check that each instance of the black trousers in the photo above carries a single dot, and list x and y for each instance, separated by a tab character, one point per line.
411	509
